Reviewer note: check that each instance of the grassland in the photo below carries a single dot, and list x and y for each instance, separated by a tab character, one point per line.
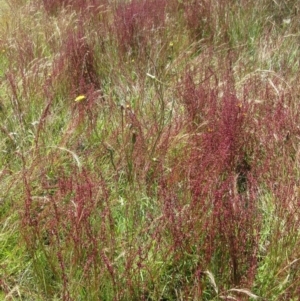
149	150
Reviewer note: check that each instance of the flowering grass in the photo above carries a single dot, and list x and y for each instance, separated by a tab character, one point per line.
149	150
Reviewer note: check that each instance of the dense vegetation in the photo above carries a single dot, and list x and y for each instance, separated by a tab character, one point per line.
149	150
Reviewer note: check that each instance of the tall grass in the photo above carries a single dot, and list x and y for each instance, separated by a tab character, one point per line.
150	150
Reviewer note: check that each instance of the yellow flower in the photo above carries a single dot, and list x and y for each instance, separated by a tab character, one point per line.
171	44
80	98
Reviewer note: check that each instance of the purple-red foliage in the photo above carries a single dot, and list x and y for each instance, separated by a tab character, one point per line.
198	99
74	218
137	22
80	63
218	216
238	141
275	127
79	73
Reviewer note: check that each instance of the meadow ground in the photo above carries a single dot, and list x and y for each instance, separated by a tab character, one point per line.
149	150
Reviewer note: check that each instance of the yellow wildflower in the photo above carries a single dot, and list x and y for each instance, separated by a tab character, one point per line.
80	98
